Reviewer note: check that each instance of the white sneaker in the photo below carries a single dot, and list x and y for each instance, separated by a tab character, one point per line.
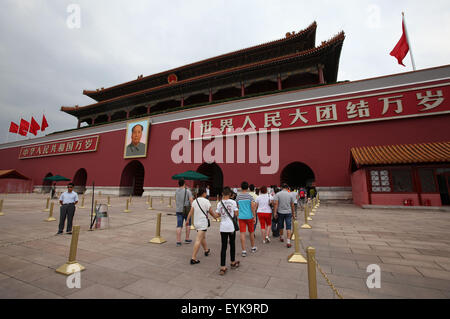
254	249
264	241
267	239
244	253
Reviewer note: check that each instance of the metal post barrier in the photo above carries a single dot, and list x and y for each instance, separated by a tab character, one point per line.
312	279
170	202
148	200
71	266
296	257
158	239
309	211
50	215
109	201
192	223
47	208
306	225
150	203
82	202
126	209
1	208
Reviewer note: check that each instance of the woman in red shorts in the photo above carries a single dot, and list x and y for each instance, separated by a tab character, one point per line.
264	212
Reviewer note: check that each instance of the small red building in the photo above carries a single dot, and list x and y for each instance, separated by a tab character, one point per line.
266	114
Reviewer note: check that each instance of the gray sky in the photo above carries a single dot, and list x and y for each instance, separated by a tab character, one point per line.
45	64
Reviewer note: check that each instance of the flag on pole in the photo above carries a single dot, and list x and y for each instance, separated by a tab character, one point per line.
24	126
13	128
34	126
402	47
44	123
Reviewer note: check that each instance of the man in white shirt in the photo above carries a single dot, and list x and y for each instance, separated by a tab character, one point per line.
68	200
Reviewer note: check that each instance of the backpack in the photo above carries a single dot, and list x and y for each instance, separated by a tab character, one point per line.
302	194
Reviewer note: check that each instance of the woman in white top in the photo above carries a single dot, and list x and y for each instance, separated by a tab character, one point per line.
200	209
264	212
227	230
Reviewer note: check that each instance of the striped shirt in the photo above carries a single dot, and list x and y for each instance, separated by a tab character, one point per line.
244	202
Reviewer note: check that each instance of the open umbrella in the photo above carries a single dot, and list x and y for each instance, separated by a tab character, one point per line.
190	175
56	178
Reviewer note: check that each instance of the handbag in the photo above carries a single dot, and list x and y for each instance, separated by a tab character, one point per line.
206	215
233	219
187	208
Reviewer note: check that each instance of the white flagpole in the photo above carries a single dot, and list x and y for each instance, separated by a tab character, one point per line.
409	43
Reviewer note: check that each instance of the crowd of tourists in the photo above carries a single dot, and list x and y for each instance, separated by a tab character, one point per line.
273	208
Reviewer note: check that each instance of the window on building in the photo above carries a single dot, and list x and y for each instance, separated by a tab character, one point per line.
401	180
427	182
380	181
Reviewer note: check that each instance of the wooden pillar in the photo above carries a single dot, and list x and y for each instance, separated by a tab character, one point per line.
92	120
109	117
210	95
182	101
148	109
128	114
242	89
79	123
279	82
321	77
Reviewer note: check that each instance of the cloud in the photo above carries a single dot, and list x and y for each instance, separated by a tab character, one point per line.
45	64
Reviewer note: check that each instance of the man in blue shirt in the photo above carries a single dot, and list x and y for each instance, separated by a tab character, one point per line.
68	200
247	217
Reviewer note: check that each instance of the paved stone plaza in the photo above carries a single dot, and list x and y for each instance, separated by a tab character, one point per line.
412	247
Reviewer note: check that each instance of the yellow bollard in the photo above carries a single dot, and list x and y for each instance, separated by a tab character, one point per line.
126	209
312	279
309	212
72	266
82	202
1	208
158	239
50	215
148	200
47	208
95	208
296	257
150	207
306	225
170	203
109	201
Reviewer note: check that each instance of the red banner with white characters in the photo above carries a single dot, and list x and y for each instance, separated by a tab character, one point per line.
395	103
63	147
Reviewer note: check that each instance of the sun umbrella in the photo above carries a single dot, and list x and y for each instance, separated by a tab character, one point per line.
190	175
56	178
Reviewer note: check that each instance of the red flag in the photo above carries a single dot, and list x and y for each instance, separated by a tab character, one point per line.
402	47
24	126
34	126
44	123
13	127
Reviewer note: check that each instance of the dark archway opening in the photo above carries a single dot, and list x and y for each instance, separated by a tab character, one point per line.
47	185
297	175
215	181
79	181
132	179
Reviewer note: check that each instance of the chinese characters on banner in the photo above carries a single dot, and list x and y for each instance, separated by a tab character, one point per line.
71	146
335	111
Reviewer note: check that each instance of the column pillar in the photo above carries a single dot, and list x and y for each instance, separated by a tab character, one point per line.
279	82
182	101
242	89
128	114
210	95
79	123
148	109
92	120
321	77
